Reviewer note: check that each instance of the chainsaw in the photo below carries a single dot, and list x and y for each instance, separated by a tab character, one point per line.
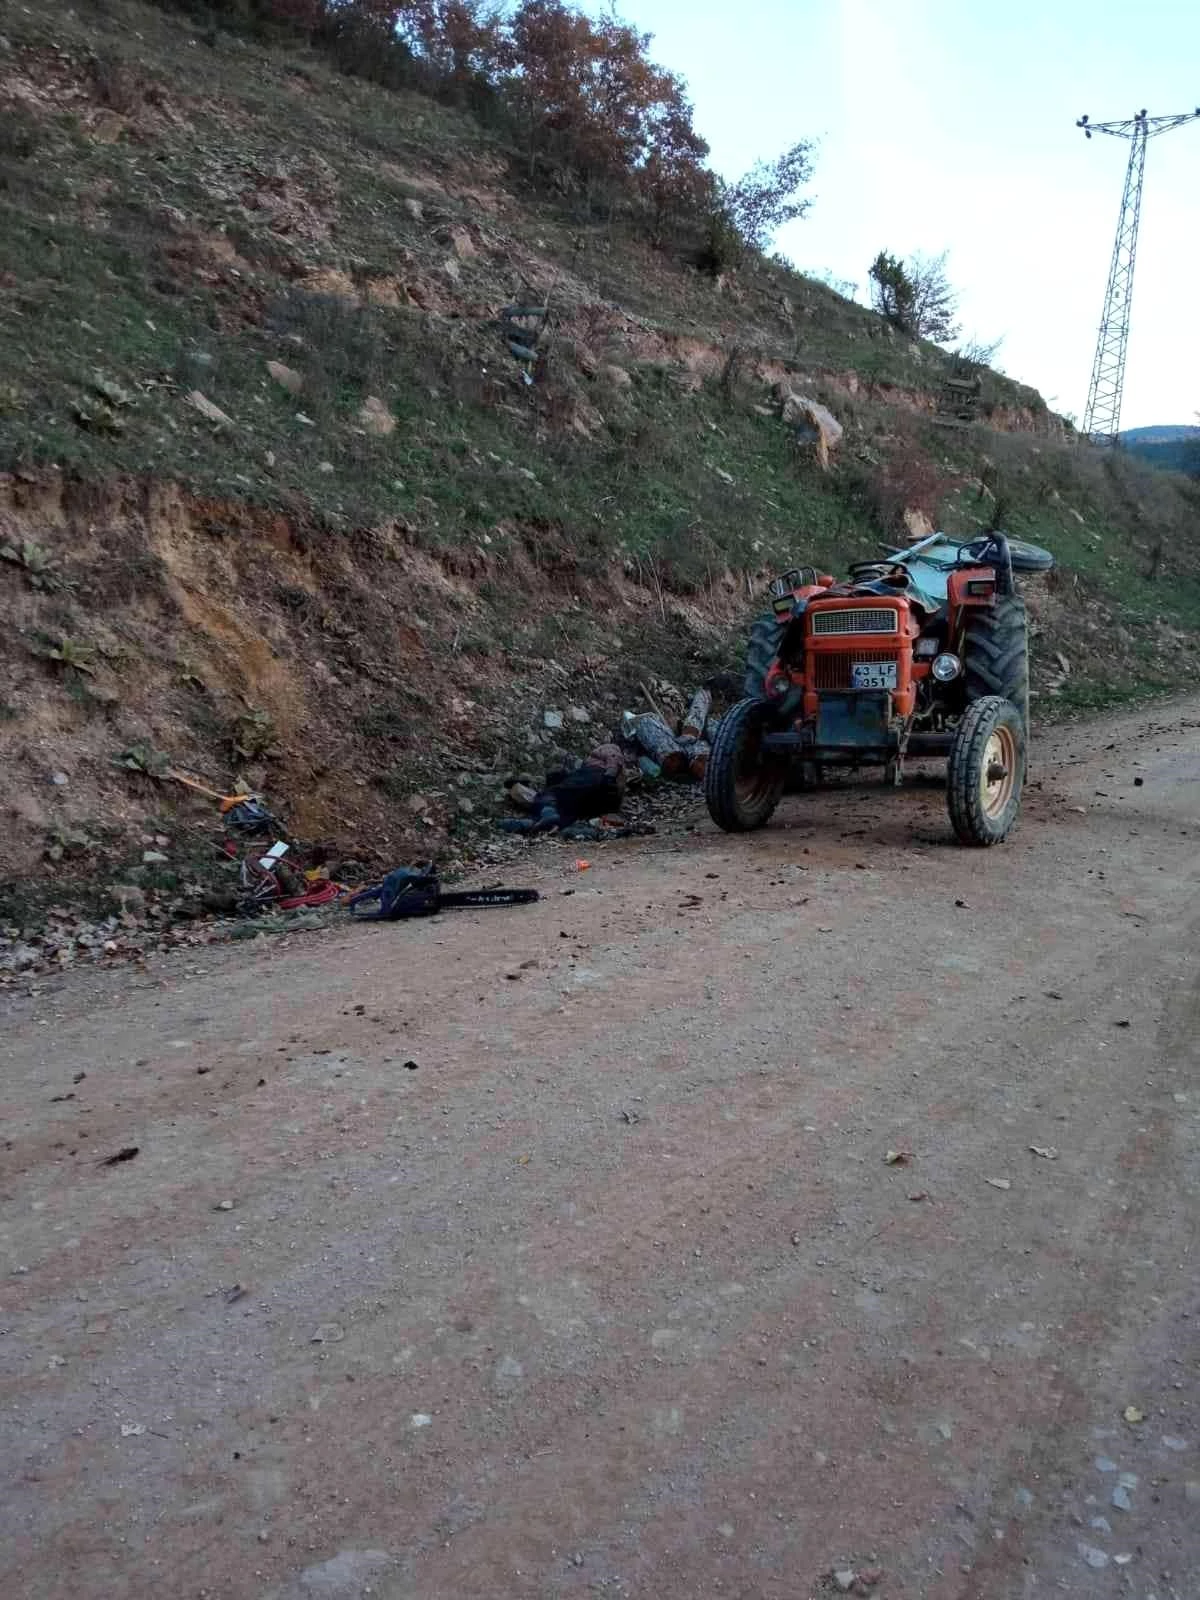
416	892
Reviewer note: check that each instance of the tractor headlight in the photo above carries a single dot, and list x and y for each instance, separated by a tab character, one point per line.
946	667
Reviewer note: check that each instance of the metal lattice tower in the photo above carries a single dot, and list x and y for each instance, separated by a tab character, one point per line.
1102	419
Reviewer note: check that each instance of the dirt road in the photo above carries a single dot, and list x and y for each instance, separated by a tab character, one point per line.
555	1252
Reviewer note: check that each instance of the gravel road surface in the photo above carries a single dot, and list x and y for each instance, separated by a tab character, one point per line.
558	1251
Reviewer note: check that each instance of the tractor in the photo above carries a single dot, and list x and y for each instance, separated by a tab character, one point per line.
924	654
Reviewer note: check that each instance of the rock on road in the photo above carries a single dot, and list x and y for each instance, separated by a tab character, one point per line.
556	1252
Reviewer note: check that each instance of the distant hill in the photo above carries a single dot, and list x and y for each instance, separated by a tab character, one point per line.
1175	447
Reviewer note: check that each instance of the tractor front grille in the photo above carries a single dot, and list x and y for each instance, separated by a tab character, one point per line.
831	668
870	619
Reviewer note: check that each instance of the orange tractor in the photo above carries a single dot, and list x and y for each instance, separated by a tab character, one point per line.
924	654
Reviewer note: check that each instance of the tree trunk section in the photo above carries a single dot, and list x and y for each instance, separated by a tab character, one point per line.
697	715
657	740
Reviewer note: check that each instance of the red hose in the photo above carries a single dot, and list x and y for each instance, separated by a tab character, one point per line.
322	895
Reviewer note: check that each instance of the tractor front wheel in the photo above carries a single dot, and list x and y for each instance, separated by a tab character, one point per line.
743	783
986	771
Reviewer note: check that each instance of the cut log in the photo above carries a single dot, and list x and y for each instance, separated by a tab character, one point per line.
697	714
699	752
657	740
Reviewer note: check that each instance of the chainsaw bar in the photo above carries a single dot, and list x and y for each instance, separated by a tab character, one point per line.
486	897
416	892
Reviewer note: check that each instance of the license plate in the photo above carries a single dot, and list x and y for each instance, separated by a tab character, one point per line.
873	675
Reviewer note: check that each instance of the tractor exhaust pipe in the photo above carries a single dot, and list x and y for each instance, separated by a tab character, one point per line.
1000	557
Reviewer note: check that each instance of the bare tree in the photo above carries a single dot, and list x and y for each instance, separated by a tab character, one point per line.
766	197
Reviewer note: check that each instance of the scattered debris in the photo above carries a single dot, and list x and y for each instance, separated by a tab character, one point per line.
127	1154
521	326
1000	1183
131	1430
328	1333
1046	1151
223	1205
1133	1415
898	1158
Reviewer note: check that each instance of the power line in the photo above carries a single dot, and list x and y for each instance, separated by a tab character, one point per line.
1102	418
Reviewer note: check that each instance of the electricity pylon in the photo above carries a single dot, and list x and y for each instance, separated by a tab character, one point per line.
1102	419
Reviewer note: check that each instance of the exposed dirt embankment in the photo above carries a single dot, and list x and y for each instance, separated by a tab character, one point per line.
371	686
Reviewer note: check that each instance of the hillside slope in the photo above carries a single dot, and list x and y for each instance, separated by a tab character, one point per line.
277	493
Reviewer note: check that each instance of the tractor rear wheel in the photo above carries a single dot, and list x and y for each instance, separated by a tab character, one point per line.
761	649
996	653
986	771
743	783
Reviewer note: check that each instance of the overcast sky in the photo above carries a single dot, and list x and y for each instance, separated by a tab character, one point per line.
950	124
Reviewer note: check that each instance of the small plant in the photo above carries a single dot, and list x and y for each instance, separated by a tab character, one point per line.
72	655
38	565
143	758
253	735
97	416
62	842
99	410
385	722
114	85
20	135
396	782
109	389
